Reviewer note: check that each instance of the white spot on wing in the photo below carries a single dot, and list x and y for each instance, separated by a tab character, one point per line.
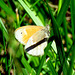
30	42
25	32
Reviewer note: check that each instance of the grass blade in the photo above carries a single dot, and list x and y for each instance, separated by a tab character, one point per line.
62	11
73	32
65	31
73	18
22	19
7	9
27	66
70	71
60	4
59	45
32	14
4	30
51	67
43	59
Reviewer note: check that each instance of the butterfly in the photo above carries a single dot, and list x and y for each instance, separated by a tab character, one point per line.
34	38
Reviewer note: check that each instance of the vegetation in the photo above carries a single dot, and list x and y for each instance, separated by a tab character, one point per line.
59	56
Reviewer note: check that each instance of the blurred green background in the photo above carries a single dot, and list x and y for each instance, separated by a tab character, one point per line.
59	57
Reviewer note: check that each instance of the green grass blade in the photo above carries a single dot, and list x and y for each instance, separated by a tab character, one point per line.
65	31
25	72
7	9
3	25
35	3
39	12
73	17
4	44
32	14
72	22
59	5
65	66
62	12
4	30
70	71
22	19
59	45
43	59
5	37
51	67
73	32
26	65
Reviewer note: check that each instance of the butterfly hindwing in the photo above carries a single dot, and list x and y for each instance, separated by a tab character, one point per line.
36	43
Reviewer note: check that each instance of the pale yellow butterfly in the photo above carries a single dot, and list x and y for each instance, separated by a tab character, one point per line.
34	38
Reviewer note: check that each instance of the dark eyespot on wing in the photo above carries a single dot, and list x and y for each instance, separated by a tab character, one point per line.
21	32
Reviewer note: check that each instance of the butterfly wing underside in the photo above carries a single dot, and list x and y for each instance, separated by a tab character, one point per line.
36	43
22	34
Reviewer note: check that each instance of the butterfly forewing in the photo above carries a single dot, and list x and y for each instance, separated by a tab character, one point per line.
22	34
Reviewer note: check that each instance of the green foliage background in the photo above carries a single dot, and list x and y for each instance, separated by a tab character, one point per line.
56	60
